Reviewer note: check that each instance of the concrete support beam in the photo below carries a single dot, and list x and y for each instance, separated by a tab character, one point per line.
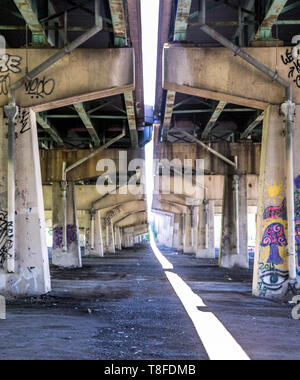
214	118
66	244
31	267
92	74
110	237
271	274
119	22
118	238
206	237
265	29
45	124
39	37
129	101
96	249
183	73
191	231
234	241
79	107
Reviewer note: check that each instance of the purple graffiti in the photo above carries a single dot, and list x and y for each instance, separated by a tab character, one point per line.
274	237
297	221
57	237
274	212
297	182
71	233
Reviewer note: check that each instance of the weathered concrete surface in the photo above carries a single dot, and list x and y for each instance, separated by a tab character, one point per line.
66	244
215	73
52	161
86	79
271	276
31	275
135	313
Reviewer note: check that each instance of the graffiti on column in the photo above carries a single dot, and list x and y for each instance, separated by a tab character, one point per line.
71	233
24	121
273	273
8	64
297	220
110	215
57	237
294	66
39	87
6	235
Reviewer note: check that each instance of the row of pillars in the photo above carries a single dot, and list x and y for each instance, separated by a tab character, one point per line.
194	231
66	250
274	263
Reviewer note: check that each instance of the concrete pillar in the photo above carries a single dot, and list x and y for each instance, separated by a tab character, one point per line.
176	231
191	231
234	240
110	237
66	244
271	274
96	249
31	274
118	238
206	232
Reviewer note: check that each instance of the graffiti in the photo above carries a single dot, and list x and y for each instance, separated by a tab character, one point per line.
26	281
71	233
271	278
4	84
6	235
297	182
57	237
274	212
274	238
24	118
39	88
274	191
110	215
10	63
294	68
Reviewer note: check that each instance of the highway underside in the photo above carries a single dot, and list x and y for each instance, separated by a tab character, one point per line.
124	307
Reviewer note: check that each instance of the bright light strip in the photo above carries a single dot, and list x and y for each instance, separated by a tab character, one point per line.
166	265
217	341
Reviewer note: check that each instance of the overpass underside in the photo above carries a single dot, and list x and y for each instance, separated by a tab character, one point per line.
75	204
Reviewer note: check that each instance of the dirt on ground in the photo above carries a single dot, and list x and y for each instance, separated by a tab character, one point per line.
123	307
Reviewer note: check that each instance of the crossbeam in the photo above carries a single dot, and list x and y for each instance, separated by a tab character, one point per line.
214	118
79	107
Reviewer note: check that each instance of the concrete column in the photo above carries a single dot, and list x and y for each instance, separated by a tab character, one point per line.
110	237
206	237
234	234
118	238
176	231
271	274
66	244
191	231
31	266
97	249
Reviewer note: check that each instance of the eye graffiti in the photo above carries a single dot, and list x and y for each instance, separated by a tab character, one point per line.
274	279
